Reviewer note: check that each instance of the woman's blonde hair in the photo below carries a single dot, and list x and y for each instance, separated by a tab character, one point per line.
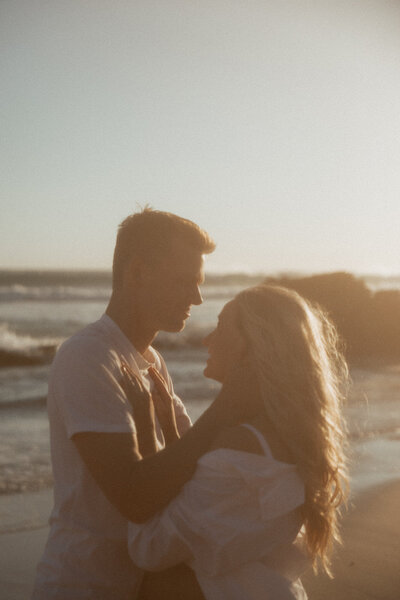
301	375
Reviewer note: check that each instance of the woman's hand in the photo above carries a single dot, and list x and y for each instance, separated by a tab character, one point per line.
164	407
143	411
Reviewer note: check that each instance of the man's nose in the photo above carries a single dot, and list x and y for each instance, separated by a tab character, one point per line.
197	297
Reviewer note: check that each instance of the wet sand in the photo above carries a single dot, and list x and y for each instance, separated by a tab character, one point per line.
23	534
366	566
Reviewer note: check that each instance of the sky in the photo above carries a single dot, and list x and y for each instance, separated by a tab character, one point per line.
275	125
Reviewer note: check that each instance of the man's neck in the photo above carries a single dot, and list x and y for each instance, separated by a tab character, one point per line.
131	323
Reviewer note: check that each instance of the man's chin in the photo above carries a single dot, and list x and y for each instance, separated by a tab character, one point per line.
210	374
174	326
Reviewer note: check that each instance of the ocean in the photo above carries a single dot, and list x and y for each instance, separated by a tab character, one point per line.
38	310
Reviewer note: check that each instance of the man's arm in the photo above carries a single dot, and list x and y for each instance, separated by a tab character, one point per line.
138	487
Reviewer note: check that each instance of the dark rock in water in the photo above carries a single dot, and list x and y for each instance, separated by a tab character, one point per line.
368	322
9	358
40	356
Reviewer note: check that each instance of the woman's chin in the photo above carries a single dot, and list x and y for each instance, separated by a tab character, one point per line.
206	372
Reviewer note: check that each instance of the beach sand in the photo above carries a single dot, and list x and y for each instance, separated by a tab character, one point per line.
23	534
366	566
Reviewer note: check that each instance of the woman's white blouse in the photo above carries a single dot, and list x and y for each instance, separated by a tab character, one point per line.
235	523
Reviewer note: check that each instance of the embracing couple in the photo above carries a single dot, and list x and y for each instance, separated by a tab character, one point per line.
148	506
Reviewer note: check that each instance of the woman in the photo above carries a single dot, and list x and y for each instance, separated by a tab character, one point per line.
263	501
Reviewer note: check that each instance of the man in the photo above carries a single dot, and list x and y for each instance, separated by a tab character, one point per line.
100	479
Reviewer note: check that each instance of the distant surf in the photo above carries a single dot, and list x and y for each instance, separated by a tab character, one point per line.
39	310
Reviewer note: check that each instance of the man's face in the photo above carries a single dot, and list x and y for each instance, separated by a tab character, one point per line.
170	287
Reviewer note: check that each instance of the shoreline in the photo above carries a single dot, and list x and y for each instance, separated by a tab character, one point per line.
365	566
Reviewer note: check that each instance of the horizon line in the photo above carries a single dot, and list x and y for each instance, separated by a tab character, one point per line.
212	273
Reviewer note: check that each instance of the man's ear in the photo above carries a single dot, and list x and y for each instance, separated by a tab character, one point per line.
133	272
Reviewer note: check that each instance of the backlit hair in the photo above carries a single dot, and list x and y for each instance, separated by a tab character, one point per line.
301	376
150	234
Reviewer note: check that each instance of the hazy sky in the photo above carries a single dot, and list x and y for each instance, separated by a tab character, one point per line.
273	124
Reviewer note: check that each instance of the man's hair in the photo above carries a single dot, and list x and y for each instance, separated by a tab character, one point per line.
150	234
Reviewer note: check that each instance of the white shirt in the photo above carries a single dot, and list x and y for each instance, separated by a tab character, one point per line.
86	554
236	523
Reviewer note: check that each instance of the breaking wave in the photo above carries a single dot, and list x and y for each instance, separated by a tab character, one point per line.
24	350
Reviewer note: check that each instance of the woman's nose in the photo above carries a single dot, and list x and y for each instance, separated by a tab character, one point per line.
207	339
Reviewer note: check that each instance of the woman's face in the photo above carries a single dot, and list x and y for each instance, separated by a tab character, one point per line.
225	344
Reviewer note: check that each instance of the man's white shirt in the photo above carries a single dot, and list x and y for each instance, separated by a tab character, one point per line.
86	554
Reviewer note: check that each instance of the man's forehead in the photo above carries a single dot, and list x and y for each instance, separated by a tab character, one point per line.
180	249
191	265
185	258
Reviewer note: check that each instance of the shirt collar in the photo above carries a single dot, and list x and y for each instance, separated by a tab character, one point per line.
126	345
